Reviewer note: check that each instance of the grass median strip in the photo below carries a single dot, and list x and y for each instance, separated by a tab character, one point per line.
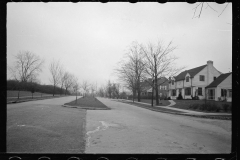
87	103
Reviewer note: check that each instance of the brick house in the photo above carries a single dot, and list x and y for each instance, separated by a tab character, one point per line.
162	89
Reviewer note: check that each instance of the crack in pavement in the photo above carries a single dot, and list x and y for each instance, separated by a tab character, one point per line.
103	126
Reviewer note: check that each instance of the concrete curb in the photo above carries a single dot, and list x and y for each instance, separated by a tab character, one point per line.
220	117
88	108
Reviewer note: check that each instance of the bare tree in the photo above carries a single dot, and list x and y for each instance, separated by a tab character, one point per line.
63	77
131	71
127	76
68	81
85	86
76	86
199	7
27	66
159	63
55	68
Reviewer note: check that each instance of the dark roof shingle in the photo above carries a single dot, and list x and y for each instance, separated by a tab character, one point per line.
192	73
218	80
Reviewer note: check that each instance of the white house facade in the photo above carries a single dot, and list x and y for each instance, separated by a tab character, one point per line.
191	83
221	88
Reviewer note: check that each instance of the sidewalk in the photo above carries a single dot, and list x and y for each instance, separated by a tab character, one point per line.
185	112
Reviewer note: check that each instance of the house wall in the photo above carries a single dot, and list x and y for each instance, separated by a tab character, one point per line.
209	72
225	84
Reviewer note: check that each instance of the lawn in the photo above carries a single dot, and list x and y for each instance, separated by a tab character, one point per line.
12	96
24	93
88	101
185	104
161	102
159	109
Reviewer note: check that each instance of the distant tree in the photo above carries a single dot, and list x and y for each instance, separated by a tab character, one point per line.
63	77
55	69
101	91
68	81
26	66
85	86
76	86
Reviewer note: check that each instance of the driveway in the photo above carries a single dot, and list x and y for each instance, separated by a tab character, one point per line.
44	126
130	129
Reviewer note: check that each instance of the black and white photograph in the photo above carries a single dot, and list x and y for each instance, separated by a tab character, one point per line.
119	78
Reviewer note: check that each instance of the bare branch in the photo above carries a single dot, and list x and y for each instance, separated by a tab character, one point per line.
223	10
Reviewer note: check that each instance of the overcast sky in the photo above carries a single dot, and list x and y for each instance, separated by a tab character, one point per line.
90	39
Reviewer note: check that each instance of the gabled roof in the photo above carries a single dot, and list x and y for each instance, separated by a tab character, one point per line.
192	73
218	80
146	84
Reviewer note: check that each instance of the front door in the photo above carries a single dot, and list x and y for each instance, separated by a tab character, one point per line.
211	94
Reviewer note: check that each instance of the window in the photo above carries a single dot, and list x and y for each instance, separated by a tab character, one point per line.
188	91
202	78
187	79
214	78
173	92
223	92
230	92
160	87
199	91
172	82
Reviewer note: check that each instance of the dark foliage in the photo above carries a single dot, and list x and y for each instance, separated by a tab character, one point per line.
179	97
32	87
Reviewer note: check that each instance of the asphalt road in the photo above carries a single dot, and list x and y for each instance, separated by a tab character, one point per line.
130	129
44	126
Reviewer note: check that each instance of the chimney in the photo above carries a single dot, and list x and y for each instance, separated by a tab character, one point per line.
210	63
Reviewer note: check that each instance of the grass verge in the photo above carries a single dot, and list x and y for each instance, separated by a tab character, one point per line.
199	105
165	110
87	103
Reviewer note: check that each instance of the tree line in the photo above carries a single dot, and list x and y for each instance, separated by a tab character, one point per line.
25	71
33	87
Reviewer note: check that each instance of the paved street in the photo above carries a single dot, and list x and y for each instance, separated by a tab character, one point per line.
45	126
130	129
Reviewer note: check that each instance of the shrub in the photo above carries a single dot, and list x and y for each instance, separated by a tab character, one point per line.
227	107
169	98
179	97
211	107
194	106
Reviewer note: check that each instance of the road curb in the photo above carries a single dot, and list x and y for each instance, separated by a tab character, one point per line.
36	99
221	117
88	108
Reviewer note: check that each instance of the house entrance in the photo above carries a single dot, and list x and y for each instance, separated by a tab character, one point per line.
211	94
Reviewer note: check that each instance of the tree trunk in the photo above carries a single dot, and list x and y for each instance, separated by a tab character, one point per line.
156	88
53	90
139	95
18	93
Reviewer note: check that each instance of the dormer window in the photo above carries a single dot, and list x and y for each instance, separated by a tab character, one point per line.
187	79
